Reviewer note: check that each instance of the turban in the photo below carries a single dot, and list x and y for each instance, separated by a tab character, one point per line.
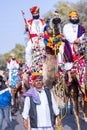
73	13
12	55
34	9
37	75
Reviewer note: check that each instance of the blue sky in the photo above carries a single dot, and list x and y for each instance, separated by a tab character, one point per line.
11	20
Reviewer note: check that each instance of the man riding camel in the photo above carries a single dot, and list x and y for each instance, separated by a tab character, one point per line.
35	27
74	33
12	66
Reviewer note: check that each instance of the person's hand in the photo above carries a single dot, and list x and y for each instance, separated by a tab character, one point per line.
41	35
77	41
25	122
26	27
58	121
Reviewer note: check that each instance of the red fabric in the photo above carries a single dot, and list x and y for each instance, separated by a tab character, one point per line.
37	77
76	57
34	9
30	21
33	35
17	61
10	61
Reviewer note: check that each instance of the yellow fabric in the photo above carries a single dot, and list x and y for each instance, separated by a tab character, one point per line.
37	74
73	13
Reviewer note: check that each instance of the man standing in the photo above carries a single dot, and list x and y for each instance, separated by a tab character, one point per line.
35	28
5	101
39	106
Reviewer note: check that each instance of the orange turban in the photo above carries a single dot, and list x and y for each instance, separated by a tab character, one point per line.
73	13
37	75
34	9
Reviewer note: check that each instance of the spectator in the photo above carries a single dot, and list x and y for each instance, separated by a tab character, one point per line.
5	101
40	106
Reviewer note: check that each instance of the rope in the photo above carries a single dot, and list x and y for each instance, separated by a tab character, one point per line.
66	108
62	92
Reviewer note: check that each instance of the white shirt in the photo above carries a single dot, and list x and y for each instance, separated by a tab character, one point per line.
36	27
12	64
70	32
43	112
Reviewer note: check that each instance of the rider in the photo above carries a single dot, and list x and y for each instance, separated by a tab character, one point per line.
12	65
73	33
13	77
35	27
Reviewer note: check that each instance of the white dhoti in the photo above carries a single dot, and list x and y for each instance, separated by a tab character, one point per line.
28	54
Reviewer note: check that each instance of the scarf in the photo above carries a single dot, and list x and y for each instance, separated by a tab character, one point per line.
32	92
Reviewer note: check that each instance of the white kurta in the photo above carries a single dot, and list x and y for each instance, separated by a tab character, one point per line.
43	112
70	32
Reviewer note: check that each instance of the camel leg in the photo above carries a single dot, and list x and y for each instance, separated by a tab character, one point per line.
85	103
85	111
76	113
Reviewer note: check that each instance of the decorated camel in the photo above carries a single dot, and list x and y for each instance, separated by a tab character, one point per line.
54	72
48	60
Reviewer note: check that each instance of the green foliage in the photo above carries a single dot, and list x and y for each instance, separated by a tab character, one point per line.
2	62
19	52
65	7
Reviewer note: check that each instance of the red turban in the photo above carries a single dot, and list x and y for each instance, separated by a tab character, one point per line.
37	75
34	9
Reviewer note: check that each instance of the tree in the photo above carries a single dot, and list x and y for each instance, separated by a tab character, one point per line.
65	7
2	62
19	50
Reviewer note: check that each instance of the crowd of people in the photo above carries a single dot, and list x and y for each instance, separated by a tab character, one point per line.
41	110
